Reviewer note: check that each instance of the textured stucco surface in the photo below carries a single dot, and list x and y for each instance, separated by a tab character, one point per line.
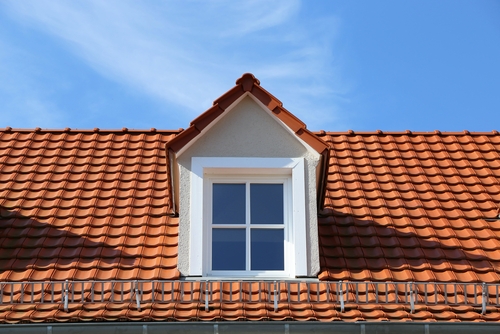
247	130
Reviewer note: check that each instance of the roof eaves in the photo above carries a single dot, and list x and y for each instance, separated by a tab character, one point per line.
136	323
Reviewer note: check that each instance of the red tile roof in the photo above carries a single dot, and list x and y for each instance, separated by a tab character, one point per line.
397	207
83	205
248	84
92	205
412	207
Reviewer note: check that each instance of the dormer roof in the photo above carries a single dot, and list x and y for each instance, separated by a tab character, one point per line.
247	84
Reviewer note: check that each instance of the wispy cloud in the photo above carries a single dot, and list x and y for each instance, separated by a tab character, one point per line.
250	16
24	103
188	53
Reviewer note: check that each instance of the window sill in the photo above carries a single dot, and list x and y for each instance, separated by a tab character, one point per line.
249	279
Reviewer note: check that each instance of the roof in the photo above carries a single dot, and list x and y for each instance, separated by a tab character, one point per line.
412	207
409	228
247	84
93	205
85	205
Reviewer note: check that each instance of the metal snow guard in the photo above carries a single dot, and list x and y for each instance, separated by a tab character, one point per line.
274	292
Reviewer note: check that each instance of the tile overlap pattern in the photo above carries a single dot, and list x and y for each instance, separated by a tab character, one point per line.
412	207
85	205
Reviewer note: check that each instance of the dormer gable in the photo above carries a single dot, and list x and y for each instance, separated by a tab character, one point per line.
238	152
246	86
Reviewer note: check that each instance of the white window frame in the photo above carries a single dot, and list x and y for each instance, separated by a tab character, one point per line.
285	180
205	168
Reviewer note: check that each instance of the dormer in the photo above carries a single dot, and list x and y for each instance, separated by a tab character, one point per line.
247	177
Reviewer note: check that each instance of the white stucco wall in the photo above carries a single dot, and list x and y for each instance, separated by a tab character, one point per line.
247	130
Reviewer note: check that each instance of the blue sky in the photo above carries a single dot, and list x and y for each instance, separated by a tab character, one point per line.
336	64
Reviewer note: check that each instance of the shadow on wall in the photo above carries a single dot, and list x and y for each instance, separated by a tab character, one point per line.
34	250
357	249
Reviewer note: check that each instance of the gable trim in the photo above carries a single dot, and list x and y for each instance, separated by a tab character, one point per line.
250	85
208	126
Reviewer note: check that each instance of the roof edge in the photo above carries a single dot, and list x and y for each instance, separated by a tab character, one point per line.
408	133
95	130
247	83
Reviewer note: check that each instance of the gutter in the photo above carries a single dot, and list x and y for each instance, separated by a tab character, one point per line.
283	327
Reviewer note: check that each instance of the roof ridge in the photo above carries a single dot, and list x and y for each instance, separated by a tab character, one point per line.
407	132
318	133
94	130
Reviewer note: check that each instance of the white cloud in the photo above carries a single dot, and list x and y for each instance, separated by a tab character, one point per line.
24	104
187	53
244	17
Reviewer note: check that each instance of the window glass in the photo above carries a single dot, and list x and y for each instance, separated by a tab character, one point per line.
255	241
228	203
267	252
228	249
266	203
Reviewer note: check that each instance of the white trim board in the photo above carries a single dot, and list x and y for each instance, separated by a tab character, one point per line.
201	166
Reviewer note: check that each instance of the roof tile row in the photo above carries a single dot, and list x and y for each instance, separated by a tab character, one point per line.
412	207
241	311
398	207
82	206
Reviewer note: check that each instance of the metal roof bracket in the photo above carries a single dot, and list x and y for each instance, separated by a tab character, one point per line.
206	296
137	299
484	299
341	290
412	299
65	295
275	298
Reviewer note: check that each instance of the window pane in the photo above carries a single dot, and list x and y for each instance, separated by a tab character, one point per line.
228	203
267	249
228	249
266	203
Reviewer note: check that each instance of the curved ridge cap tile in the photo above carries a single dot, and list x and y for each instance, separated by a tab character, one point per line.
247	80
203	120
314	141
229	97
183	138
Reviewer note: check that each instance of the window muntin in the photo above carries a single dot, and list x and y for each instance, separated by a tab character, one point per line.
255	245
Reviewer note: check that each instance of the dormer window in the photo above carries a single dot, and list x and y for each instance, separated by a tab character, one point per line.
244	179
250	221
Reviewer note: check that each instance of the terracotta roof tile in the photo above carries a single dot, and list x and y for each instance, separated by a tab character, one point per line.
71	199
434	191
398	207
